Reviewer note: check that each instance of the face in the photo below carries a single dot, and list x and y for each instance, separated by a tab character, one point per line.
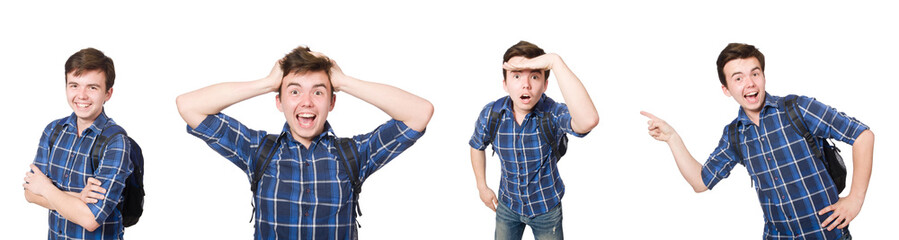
305	100
87	94
525	88
745	83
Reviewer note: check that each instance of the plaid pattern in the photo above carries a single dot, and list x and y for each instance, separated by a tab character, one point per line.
791	185
304	193
530	184
67	163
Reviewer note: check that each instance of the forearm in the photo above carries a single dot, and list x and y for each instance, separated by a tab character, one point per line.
689	168
403	106
584	116
478	165
71	208
862	162
196	105
41	201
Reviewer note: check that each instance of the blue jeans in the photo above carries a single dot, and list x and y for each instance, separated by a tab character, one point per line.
510	225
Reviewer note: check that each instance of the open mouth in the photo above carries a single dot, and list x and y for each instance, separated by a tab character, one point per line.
752	97
305	119
526	98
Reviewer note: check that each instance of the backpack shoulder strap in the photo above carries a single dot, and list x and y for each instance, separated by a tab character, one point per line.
263	156
496	113
346	151
57	129
100	144
792	109
733	139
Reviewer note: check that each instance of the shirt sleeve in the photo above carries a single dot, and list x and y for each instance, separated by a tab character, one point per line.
826	122
480	129
42	157
562	117
720	162
115	167
229	138
383	144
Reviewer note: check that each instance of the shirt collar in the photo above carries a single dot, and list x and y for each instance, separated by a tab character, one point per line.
96	126
770	102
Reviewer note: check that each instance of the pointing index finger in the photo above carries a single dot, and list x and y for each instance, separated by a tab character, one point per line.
649	115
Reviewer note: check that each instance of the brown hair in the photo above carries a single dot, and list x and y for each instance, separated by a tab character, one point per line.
524	49
301	60
90	59
737	51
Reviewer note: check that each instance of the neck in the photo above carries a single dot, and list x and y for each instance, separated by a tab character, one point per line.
83	124
753	116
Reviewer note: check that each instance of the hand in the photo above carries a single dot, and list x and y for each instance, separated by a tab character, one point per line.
273	80
336	74
36	181
844	211
92	192
542	62
488	197
658	128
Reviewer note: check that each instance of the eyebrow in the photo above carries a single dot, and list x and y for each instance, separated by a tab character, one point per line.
322	85
753	69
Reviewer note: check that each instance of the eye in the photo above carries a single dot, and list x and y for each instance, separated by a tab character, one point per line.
94	88
294	92
516	76
737	79
535	77
318	93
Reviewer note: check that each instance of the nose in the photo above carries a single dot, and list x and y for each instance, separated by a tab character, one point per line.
305	100
526	84
81	93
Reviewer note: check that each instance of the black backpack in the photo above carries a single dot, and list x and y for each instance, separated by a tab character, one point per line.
830	155
559	148
132	204
346	151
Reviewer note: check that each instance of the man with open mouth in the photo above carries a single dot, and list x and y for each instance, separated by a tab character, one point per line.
799	198
305	182
527	129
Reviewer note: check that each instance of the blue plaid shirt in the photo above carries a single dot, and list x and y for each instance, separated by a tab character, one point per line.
67	163
304	193
792	186
530	184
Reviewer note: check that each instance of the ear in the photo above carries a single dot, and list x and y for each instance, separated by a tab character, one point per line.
333	100
505	87
278	102
726	92
108	95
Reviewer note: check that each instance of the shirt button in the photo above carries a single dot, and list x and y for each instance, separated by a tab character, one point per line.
307	164
763	139
306	214
308	190
775	178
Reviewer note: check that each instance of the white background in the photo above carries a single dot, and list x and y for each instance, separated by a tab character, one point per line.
654	56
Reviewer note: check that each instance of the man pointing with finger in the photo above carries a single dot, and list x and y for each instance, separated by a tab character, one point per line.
799	198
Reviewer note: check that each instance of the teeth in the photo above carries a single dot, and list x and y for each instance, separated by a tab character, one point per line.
306	115
81	105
